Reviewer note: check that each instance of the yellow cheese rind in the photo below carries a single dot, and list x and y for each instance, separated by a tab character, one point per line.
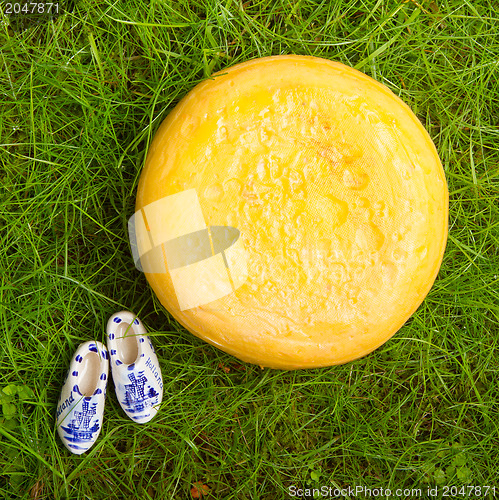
339	196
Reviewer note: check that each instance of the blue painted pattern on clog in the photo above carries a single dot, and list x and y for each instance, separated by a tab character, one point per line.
79	429
136	398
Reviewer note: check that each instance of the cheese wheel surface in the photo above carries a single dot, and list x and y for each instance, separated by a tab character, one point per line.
299	208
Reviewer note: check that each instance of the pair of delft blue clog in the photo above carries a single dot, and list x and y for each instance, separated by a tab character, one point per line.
137	380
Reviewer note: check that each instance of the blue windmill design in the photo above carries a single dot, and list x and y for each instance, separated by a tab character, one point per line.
79	429
136	398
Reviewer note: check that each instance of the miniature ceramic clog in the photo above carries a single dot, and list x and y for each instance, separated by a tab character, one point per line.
81	404
136	373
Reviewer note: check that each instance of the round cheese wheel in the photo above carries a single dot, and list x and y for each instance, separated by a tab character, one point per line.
293	212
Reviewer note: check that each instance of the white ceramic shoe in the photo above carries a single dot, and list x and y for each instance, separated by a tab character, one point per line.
136	373
81	404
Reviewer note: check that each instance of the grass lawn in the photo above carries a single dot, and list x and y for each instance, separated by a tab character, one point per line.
81	97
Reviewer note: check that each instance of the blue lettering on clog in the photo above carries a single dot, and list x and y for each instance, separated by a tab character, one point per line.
155	372
65	404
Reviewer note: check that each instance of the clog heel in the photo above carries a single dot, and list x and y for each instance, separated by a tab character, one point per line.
136	373
81	405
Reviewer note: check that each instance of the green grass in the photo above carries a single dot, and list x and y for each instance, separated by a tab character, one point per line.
80	100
